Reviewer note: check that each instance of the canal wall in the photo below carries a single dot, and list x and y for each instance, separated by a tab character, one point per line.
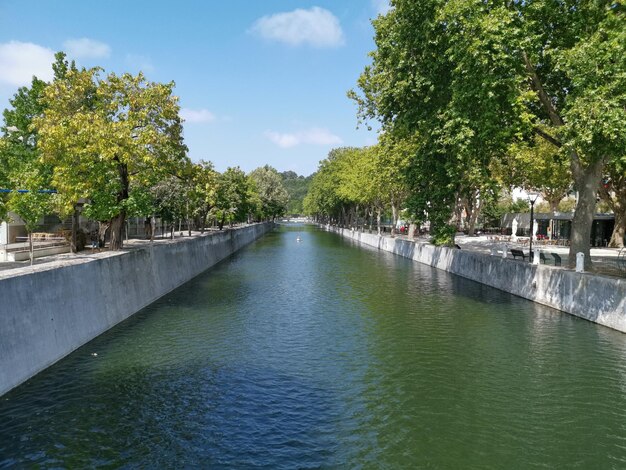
47	311
600	299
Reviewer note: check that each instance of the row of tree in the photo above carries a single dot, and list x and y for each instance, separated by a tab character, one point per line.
477	90
115	143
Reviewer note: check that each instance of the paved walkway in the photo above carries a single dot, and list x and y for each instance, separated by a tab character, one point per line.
61	259
605	259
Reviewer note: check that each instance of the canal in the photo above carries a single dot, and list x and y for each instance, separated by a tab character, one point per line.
320	354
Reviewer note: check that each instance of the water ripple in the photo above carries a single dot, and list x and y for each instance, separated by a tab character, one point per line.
318	354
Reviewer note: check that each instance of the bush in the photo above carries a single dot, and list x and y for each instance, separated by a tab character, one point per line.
443	235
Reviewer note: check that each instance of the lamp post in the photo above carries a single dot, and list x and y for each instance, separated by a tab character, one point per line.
532	198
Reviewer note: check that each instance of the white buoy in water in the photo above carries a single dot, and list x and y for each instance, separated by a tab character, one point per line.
298	239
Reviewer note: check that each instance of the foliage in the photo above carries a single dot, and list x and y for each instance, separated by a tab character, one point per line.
272	194
203	192
23	169
495	208
471	78
170	199
536	165
297	187
444	235
232	197
106	136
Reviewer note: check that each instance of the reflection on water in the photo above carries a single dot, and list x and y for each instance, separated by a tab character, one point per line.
317	354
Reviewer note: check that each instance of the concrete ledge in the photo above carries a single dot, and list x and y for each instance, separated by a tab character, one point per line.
38	253
600	299
47	311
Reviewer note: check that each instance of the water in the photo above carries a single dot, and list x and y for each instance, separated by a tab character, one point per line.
318	354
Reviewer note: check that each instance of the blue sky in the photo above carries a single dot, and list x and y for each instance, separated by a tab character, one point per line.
260	81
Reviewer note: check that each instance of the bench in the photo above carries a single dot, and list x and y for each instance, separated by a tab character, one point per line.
557	259
542	257
517	253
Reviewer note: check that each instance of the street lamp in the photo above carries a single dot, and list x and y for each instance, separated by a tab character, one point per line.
532	198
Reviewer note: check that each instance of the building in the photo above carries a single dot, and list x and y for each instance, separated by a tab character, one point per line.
557	226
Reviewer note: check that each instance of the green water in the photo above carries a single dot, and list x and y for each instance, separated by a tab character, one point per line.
319	354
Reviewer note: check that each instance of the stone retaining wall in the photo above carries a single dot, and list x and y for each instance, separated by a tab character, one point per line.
47	311
600	299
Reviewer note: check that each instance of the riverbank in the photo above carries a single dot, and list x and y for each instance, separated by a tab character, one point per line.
50	309
597	298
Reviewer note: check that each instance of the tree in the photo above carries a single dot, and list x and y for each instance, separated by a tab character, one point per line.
472	77
272	194
24	174
441	75
170	201
105	136
297	187
204	181
232	196
573	59
536	165
613	192
322	200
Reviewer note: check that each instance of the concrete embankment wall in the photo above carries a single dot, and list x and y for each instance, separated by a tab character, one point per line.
600	299
48	311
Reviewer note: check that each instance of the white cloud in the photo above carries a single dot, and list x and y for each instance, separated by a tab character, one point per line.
317	27
314	136
85	48
381	7
197	115
19	61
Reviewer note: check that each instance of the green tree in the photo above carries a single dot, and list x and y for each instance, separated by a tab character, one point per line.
613	193
322	200
536	165
170	201
203	194
106	136
23	173
472	77
272	194
297	187
232	197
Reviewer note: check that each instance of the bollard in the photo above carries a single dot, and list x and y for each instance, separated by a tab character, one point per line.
580	262
505	248
536	256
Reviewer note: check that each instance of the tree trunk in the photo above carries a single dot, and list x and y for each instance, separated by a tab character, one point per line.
473	217
221	222
394	218
614	195
619	231
586	182
378	216
117	231
74	239
554	204
31	249
458	212
118	222
147	228
411	233
102	233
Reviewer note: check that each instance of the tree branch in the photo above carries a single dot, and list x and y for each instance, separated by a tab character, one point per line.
545	100
553	140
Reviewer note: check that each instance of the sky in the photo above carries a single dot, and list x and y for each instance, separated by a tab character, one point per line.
259	81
